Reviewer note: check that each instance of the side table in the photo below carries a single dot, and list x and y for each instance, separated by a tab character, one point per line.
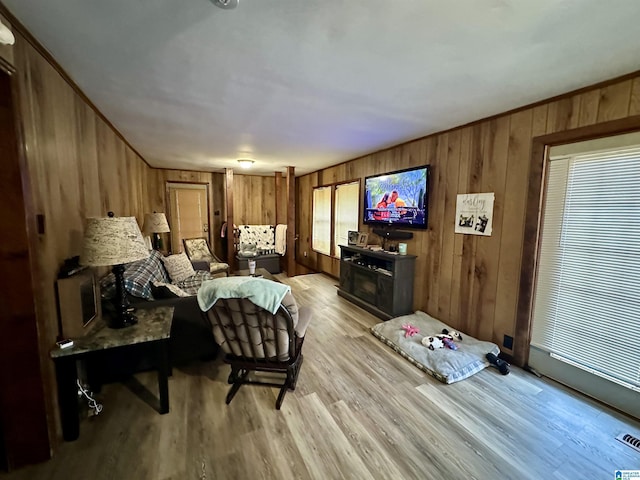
153	327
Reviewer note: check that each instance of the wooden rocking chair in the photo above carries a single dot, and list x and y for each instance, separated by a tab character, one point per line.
256	340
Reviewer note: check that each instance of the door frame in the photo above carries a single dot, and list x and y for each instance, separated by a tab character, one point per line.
168	185
533	217
31	442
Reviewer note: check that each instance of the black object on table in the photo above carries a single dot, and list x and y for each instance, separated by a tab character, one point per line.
153	328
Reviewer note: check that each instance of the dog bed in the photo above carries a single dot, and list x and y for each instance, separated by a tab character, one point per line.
444	364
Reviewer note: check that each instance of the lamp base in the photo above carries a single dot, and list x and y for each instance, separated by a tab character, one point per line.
157	242
123	316
123	319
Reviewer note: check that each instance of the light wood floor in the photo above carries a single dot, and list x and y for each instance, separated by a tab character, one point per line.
360	412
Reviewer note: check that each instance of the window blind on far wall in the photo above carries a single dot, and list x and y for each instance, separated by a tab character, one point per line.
321	233
346	213
587	299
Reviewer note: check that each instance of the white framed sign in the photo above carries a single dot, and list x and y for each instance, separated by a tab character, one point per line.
474	213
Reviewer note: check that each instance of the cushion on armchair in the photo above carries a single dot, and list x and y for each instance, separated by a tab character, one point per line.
198	249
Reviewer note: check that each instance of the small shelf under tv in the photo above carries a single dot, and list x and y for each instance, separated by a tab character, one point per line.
378	281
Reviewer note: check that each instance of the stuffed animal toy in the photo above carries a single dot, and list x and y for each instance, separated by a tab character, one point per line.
449	343
410	330
445	339
432	342
453	334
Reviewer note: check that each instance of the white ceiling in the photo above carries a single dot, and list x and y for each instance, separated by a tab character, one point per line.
311	83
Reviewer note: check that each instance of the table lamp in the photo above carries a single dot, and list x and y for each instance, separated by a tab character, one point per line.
114	241
156	223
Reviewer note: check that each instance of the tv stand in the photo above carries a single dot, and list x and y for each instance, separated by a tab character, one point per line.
380	282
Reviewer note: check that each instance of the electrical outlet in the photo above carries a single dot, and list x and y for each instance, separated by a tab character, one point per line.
507	342
305	254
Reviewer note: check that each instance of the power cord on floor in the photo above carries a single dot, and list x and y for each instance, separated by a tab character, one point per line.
97	407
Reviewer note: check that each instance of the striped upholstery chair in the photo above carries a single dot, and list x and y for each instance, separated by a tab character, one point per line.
255	340
198	250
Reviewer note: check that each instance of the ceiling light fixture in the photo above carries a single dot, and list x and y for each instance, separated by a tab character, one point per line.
6	37
245	162
226	4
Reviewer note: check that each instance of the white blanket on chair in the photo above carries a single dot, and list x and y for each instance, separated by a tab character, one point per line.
264	293
281	239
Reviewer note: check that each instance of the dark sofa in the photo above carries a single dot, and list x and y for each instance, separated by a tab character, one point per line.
191	335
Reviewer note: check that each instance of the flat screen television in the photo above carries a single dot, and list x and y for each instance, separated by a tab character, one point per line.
397	198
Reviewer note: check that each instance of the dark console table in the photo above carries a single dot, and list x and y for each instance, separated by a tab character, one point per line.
378	281
153	327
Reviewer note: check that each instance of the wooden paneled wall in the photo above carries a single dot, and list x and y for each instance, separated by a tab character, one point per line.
254	200
156	185
254	197
467	281
78	167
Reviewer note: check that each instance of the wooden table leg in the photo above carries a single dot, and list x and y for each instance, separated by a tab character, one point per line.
68	397
163	375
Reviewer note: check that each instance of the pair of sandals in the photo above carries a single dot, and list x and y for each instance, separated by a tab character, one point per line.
498	363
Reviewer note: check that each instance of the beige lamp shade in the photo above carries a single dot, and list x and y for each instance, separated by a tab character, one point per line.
112	241
155	223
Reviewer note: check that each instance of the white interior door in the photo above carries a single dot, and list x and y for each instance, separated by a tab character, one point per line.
189	213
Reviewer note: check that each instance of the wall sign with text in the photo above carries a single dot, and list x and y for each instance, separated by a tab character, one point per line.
474	213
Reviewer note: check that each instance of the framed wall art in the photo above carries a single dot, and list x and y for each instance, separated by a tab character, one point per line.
362	239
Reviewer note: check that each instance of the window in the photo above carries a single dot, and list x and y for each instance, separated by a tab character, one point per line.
345	213
335	211
321	230
587	296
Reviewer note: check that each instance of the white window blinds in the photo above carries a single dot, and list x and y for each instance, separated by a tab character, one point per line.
587	300
321	233
346	213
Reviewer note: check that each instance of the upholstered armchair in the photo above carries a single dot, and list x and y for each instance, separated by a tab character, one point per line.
254	339
198	250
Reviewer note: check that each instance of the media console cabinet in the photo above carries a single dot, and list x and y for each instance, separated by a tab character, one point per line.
378	281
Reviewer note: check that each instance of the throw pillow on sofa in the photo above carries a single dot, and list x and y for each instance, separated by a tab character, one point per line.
178	267
138	277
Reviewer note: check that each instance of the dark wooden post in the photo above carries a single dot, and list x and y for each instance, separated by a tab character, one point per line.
281	216
291	222
231	259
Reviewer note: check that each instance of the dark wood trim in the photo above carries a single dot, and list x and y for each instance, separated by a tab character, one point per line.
279	215
231	257
529	250
539	153
335	184
18	27
591	132
215	170
291	222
